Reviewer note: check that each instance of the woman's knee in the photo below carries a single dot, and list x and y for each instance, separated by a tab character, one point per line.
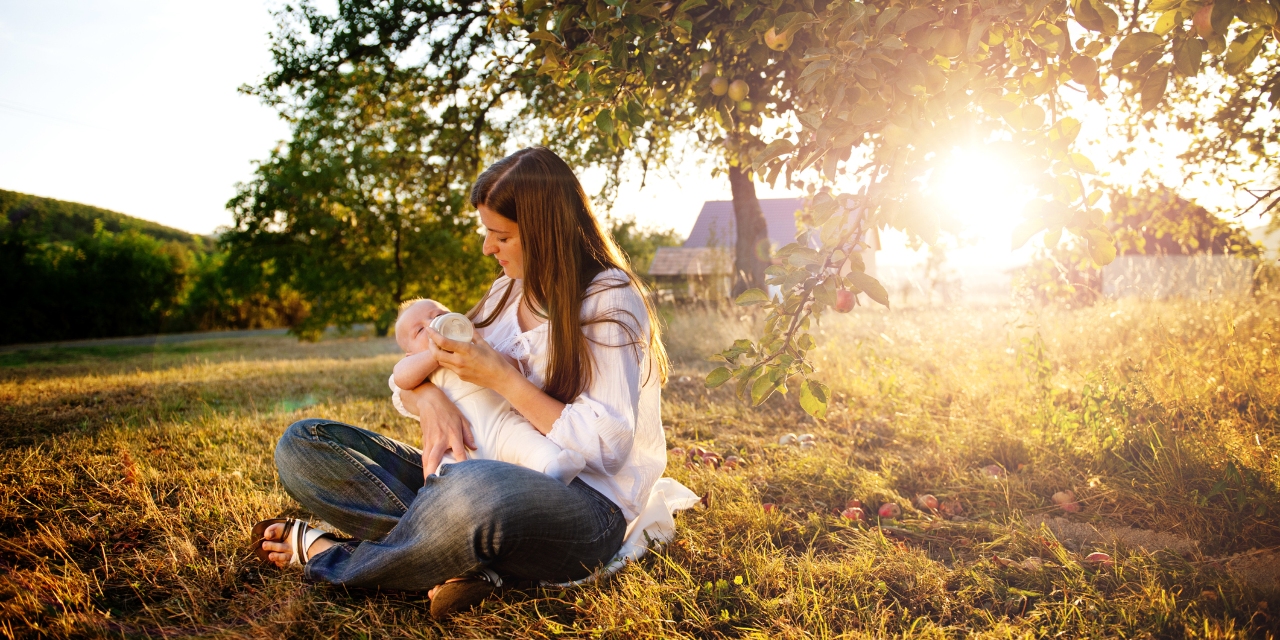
295	448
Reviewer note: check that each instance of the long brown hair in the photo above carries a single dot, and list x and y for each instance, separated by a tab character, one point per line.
564	249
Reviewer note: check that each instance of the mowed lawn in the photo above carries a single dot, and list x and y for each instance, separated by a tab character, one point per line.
131	478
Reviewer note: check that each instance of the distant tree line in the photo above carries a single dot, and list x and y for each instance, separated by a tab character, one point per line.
71	271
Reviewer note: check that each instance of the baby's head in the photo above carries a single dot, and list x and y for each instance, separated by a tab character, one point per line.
411	325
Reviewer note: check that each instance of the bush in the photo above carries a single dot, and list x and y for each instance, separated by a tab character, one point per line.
104	284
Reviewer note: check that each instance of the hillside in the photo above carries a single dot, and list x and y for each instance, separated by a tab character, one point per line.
59	221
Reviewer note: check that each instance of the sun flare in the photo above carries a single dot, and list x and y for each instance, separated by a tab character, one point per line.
984	192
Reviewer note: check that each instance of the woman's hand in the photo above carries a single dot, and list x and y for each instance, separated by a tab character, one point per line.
444	428
475	361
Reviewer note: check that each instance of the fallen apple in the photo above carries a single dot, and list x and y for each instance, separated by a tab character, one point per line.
853	513
889	510
844	301
768	507
808	444
1063	497
927	501
732	462
719	86
807	437
993	470
738	90
676	453
853	502
790	438
1070	507
952	508
1099	558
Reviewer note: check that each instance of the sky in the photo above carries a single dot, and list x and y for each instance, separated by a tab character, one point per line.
132	105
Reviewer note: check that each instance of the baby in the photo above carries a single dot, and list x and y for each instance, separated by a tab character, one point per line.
500	433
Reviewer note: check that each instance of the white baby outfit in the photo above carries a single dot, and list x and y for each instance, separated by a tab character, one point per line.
500	432
616	424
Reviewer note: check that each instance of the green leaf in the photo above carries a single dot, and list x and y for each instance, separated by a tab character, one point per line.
762	389
1084	70
1153	87
583	82
814	397
1244	49
1095	16
1134	45
690	4
1167	21
1101	248
1187	55
914	18
1258	12
1223	12
605	122
1026	230
776	148
718	376
869	286
1081	163
750	297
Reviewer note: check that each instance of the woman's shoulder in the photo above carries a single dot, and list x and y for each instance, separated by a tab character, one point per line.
613	289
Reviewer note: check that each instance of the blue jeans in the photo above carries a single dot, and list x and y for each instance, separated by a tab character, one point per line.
415	533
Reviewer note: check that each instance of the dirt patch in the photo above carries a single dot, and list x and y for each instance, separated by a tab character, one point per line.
1075	535
1259	569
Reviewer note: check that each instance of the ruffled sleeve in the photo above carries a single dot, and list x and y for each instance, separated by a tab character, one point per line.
395	398
601	423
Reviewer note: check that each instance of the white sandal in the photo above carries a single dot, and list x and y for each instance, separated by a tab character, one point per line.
299	534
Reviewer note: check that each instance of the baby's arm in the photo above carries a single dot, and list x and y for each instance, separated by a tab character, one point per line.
413	369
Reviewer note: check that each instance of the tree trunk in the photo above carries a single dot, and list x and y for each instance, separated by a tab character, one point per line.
751	246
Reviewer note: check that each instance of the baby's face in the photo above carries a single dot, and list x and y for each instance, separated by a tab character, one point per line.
411	328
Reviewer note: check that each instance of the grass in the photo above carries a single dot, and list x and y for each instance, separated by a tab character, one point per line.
129	480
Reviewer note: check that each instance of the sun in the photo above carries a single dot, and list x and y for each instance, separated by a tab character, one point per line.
982	191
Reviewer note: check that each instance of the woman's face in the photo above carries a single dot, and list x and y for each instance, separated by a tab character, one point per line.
502	241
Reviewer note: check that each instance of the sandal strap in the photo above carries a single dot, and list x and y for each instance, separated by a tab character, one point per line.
295	541
492	576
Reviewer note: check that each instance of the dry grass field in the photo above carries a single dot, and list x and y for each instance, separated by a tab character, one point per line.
131	477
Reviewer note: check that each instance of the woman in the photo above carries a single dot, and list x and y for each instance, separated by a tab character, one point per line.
570	312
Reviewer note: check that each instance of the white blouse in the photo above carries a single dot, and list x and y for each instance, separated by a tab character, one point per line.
616	424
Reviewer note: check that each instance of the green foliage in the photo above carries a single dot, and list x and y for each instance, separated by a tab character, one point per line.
899	85
640	243
103	284
1160	222
49	220
366	205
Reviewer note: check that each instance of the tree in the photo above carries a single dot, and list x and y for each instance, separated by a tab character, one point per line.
883	91
1158	221
366	205
104	284
640	243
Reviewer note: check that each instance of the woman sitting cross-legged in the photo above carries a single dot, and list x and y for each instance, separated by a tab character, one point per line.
589	365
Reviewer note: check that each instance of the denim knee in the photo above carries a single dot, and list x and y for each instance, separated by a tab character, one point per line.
292	448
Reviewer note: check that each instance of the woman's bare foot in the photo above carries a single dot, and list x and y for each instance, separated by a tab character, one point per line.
280	550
